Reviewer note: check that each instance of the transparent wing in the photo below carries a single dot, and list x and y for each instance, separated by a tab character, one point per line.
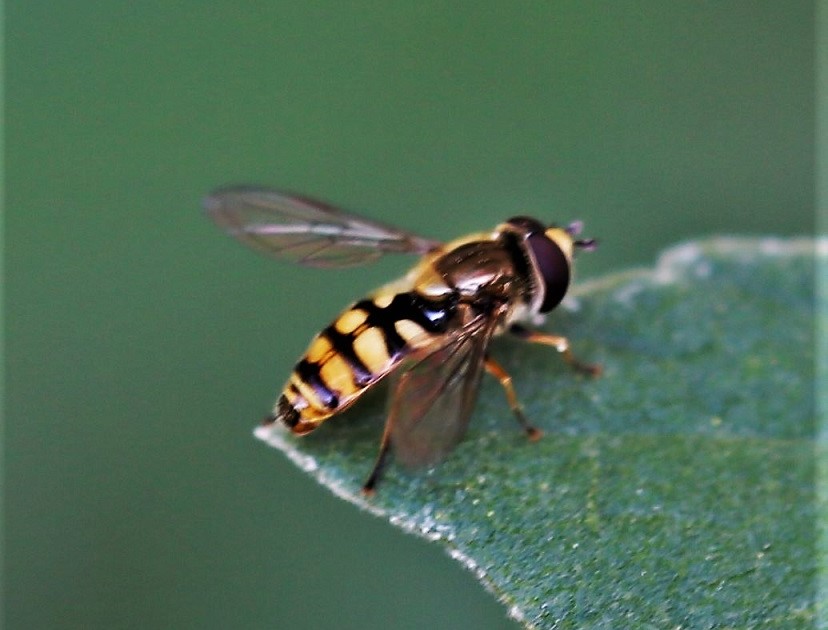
432	402
306	231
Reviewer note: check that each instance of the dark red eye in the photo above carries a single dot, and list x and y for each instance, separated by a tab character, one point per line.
553	267
530	225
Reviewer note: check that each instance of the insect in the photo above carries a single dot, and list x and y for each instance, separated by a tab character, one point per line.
430	329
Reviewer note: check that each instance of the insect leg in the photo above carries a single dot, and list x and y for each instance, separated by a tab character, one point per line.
495	369
370	484
561	344
369	487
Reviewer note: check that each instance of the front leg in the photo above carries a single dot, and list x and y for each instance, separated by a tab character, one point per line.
561	344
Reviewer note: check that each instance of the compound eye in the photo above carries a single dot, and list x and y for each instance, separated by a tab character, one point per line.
553	267
527	224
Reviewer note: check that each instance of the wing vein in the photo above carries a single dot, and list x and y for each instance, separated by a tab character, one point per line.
305	231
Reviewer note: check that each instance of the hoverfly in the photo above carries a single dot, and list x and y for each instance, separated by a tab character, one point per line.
431	328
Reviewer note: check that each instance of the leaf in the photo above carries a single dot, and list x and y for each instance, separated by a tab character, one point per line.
678	490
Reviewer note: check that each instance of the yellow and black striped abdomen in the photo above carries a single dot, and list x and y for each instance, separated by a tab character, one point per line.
364	344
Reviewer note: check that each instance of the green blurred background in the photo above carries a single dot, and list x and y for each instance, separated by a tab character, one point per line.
143	345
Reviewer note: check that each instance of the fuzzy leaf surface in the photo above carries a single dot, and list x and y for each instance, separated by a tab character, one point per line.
677	490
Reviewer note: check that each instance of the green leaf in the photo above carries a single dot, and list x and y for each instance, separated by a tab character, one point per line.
678	490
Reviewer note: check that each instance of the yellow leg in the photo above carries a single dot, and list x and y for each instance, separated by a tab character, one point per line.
561	344
495	369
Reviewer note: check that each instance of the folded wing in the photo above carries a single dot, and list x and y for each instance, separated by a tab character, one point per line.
432	402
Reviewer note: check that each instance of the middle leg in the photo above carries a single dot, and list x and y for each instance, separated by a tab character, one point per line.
495	369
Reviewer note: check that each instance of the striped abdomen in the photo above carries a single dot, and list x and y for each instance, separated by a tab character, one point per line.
364	344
